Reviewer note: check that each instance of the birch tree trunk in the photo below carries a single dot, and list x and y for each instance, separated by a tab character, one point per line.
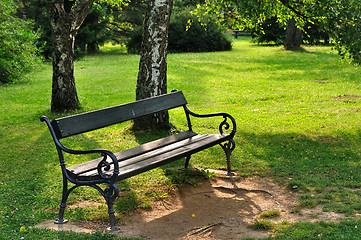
66	18
152	75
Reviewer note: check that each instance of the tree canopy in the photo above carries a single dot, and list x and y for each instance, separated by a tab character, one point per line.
342	18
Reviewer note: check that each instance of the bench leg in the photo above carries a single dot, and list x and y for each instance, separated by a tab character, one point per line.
111	194
111	213
228	148
187	162
61	219
64	198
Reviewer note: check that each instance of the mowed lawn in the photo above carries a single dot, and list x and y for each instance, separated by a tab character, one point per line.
298	121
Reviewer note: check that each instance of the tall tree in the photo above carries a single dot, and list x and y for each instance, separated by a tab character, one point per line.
152	75
66	17
293	39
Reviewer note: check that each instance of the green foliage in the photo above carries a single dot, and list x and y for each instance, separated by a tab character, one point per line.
94	31
17	51
45	234
187	34
191	176
126	20
135	41
345	22
270	213
262	224
339	19
196	37
127	202
272	31
315	35
269	31
37	11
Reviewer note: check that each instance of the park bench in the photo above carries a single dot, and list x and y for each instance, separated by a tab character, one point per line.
112	167
237	33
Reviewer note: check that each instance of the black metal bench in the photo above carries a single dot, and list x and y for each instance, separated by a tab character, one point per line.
237	33
112	167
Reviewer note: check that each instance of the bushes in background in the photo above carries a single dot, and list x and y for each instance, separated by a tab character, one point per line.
17	49
198	38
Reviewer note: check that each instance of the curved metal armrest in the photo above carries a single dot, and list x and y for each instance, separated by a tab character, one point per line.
103	164
223	125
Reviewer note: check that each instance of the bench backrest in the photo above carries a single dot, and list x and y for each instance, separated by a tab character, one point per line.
85	122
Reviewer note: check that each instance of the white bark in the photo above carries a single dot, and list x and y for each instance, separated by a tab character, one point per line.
65	22
152	76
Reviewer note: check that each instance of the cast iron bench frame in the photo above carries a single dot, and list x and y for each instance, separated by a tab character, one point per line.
112	167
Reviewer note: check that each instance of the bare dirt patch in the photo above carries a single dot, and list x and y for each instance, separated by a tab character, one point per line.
219	208
347	97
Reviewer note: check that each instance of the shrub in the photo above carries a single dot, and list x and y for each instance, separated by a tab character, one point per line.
135	41
198	38
17	49
269	31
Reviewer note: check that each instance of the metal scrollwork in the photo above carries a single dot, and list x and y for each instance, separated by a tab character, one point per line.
103	166
230	145
223	125
112	192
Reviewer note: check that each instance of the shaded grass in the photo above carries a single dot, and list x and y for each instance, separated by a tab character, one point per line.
295	124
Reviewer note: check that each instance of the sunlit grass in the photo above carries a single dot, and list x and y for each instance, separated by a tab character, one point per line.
297	113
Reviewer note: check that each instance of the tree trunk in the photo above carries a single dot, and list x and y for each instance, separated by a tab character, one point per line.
65	18
293	38
152	75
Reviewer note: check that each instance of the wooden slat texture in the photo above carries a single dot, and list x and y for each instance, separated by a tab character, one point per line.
133	152
158	157
80	123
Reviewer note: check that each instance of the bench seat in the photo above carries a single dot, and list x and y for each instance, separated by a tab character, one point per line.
149	155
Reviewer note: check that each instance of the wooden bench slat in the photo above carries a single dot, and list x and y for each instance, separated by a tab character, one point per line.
133	152
86	171
84	122
169	156
156	158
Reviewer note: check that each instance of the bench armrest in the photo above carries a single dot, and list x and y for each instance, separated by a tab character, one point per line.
103	164
223	125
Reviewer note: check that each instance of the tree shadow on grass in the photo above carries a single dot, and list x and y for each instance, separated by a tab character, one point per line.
317	162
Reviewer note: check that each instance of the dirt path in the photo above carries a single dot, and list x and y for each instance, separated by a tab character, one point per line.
220	208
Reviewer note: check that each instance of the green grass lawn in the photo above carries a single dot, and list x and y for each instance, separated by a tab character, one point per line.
298	120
